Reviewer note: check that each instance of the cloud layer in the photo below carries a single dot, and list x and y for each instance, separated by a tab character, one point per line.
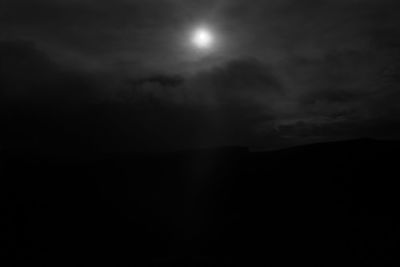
117	75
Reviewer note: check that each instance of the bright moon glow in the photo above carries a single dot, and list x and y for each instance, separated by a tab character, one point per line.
203	38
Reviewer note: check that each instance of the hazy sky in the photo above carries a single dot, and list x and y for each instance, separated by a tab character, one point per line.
121	73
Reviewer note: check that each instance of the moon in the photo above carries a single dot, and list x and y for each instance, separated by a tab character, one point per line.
203	39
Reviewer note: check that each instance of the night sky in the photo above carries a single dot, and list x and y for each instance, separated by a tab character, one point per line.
124	74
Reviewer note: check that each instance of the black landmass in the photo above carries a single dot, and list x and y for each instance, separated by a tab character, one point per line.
331	204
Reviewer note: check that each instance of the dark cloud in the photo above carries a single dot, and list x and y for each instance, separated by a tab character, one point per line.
54	103
241	76
289	71
28	74
233	98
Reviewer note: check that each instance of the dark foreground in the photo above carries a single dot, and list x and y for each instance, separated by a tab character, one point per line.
333	204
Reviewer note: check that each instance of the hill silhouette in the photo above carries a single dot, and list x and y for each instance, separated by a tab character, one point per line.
324	204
